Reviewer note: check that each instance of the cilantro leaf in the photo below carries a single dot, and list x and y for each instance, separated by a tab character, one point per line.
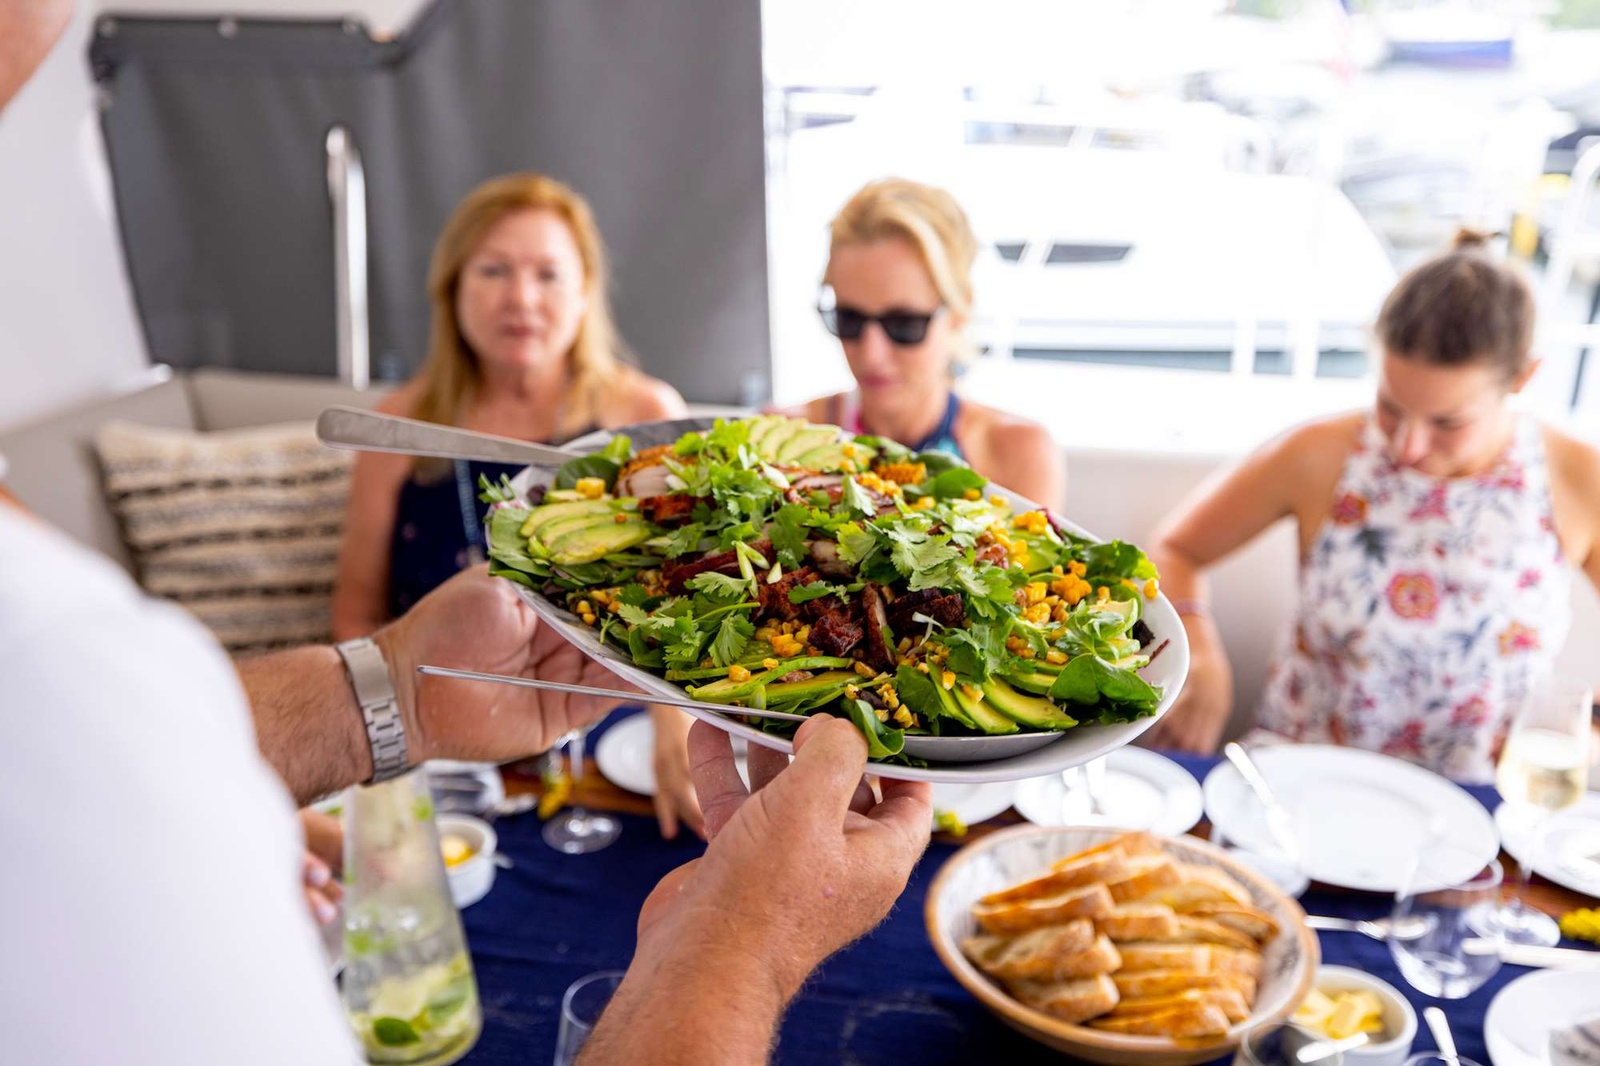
732	635
858	499
684	540
915	552
633	593
814	591
788	534
720	588
977	652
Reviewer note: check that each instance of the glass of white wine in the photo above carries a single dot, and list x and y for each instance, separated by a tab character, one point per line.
1543	769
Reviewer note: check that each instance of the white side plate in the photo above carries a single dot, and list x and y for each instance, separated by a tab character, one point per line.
1571	853
1364	819
1523	1014
1143	790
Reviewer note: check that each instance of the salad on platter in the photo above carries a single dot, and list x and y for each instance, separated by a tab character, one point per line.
770	562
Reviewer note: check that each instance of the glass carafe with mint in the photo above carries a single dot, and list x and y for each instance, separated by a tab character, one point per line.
408	985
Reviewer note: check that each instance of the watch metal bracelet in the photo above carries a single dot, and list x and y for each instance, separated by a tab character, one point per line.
374	690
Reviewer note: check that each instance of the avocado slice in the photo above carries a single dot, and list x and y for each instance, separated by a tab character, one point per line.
820	685
588	543
981	715
726	690
773	440
555	512
1036	711
1037	682
551	532
806	439
761	427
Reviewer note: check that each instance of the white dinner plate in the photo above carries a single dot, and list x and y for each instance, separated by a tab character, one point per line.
1571	853
1166	671
1523	1014
1364	819
1142	790
625	756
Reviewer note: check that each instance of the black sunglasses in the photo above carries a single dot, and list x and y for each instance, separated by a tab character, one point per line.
901	327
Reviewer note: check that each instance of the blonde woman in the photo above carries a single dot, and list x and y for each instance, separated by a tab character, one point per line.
522	344
898	295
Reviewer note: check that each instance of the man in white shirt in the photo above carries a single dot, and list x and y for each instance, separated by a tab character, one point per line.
150	907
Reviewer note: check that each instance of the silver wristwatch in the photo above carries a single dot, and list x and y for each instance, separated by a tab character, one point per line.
369	676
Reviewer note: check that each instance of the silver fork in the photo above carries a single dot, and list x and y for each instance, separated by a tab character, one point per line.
1377	928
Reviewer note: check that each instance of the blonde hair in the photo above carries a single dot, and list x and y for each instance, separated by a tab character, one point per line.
1461	308
451	373
934	224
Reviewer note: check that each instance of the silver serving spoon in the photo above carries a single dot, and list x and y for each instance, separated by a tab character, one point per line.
352	429
612	693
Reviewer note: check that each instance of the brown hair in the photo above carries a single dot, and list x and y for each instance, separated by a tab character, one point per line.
930	219
451	373
1461	308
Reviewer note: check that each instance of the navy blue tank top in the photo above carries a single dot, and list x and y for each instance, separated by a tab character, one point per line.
438	530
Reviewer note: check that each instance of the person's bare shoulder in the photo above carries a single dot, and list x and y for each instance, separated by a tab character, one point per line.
1321	447
1001	431
647	399
402	401
1575	462
819	410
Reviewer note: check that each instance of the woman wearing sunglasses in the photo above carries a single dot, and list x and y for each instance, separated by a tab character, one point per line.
898	295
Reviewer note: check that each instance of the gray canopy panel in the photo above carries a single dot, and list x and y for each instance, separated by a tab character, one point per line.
653	111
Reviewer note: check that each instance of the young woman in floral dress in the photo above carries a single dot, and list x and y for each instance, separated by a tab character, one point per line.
1438	533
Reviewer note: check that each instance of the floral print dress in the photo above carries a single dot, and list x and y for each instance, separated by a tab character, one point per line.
1426	607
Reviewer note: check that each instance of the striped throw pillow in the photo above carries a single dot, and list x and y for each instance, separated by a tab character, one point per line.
241	527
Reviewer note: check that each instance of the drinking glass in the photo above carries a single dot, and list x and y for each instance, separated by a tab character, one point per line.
1543	769
1444	953
1433	1058
581	1007
408	989
579	831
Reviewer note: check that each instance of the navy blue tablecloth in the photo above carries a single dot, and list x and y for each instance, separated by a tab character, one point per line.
553	918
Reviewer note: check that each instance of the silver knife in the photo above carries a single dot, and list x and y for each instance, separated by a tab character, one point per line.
1279	824
613	694
1559	958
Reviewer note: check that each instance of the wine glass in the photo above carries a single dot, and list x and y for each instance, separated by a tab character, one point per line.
1443	953
1543	769
578	831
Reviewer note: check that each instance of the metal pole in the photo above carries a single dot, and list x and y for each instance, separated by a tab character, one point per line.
347	189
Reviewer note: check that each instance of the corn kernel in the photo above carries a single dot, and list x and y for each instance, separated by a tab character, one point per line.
851	692
769	664
947	679
1102	593
997	500
883	715
902	717
922	668
590	488
864	670
972	494
972	692
737	673
1056	656
1026	653
1151	589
